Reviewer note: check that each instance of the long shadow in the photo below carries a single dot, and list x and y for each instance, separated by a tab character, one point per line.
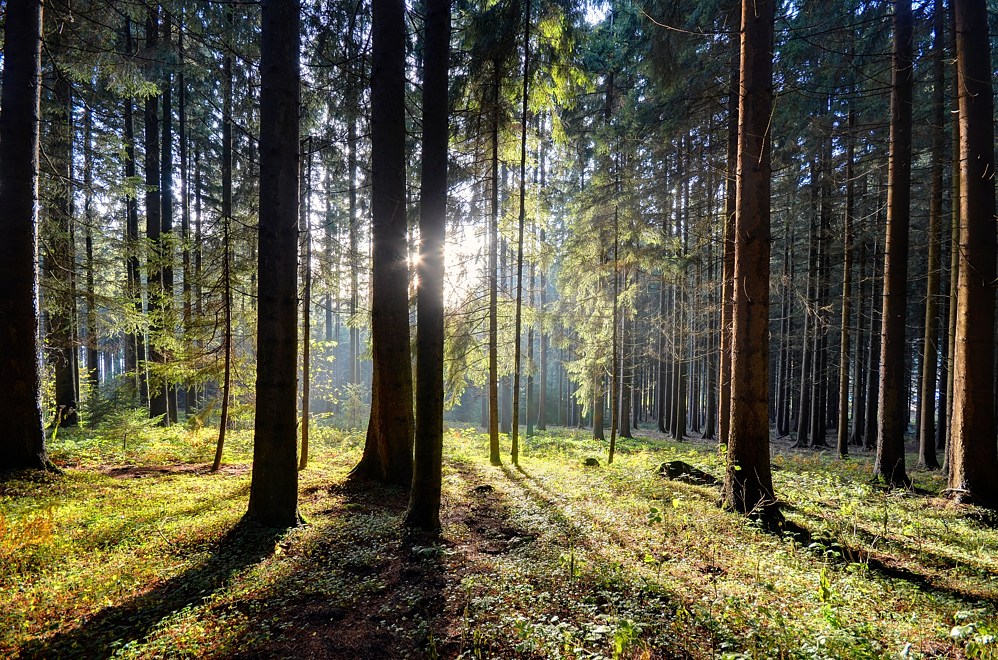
320	622
851	554
98	636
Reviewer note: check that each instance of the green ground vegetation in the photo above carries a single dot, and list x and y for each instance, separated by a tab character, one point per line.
137	550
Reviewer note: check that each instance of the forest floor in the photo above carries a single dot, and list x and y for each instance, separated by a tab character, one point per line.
137	550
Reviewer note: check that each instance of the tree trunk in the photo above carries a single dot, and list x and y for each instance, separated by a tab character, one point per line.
973	474
728	257
521	221
156	293
892	419
274	486
842	428
424	498
388	450
134	340
305	210
494	453
927	391
748	485
23	443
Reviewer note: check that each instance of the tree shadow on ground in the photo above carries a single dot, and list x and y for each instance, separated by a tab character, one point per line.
880	563
394	616
99	635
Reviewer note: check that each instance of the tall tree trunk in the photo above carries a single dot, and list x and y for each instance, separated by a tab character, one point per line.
810	323
305	210
973	473
158	390
424	497
748	484
521	221
728	258
543	366
954	279
185	206
274	486
927	390
134	339
58	250
23	440
842	438
388	450
494	454
892	419
167	240
223	422
93	344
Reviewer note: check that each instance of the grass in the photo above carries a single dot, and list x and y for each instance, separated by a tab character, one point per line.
137	551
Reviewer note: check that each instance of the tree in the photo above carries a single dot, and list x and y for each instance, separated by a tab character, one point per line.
927	388
274	486
748	482
893	401
388	449
23	443
424	497
521	221
973	461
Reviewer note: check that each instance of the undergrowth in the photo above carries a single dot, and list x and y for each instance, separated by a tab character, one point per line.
137	550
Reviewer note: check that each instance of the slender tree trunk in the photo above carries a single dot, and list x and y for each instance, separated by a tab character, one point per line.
93	344
748	485
424	498
973	473
728	258
23	441
927	390
518	317
134	341
156	292
223	422
954	279
892	419
388	450
305	207
842	427
274	486
494	453
541	331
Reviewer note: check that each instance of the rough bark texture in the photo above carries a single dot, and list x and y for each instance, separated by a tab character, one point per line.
388	449
842	438
930	353
59	254
728	252
158	396
23	440
892	419
274	487
974	460
748	485
494	454
424	497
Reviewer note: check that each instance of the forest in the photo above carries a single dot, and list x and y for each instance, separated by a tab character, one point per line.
498	329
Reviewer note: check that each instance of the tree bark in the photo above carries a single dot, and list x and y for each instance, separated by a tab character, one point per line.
424	497
23	440
274	486
388	450
927	390
748	485
892	419
974	456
